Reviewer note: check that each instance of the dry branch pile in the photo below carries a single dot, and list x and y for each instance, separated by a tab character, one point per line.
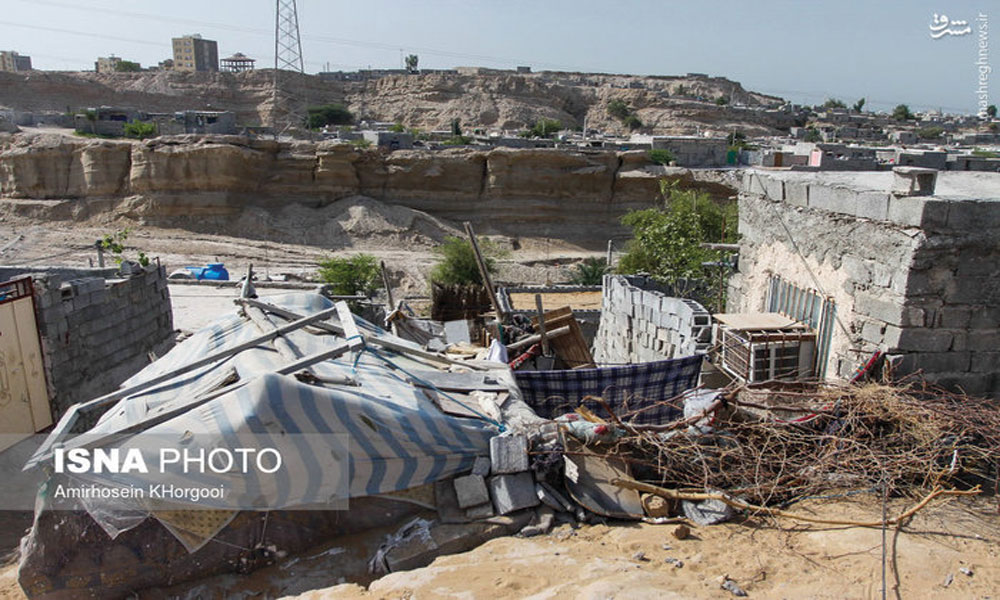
771	447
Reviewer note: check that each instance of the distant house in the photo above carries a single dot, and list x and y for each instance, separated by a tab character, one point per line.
13	62
106	120
237	63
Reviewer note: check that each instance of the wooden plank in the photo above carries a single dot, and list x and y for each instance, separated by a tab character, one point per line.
383	342
33	362
15	408
546	350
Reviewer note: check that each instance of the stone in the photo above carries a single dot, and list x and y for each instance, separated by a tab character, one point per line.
471	491
512	492
682	532
509	453
656	506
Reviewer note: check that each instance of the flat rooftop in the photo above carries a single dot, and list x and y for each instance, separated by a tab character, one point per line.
951	185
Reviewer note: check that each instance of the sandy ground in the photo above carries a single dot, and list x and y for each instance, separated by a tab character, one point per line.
766	558
551	300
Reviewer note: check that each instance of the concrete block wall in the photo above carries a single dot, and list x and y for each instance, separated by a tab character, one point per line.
97	331
640	323
914	277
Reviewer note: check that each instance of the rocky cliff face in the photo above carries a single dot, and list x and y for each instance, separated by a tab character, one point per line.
498	100
174	181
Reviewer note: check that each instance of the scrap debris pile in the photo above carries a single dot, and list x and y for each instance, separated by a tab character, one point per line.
756	446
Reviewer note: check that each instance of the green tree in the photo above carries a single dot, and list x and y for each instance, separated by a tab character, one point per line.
666	242
812	135
397	128
681	91
359	274
618	109
457	264
127	66
991	111
833	103
860	104
902	113
456	127
328	114
590	271
930	133
661	156
411	63
632	122
722	101
140	129
544	128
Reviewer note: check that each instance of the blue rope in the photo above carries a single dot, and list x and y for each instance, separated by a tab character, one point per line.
357	357
433	387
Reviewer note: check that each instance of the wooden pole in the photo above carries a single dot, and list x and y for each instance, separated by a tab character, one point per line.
484	273
541	326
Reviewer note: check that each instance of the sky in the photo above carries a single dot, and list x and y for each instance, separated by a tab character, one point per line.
800	50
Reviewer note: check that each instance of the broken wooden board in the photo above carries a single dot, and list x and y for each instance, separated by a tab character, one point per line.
571	348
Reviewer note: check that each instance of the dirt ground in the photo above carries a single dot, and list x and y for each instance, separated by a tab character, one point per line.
542	261
950	550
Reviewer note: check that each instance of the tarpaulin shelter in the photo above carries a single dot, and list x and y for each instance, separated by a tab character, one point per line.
368	413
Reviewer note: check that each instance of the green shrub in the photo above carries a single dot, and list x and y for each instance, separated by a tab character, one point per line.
140	129
632	122
359	274
590	271
722	101
328	114
458	261
127	66
458	140
813	135
360	143
397	128
114	243
661	156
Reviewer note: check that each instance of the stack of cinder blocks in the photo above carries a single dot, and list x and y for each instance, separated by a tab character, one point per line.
501	484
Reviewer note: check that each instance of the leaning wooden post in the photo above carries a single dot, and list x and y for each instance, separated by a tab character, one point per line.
487	282
541	325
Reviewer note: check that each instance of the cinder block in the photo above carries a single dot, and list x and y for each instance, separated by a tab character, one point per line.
872	205
984	340
471	491
509	453
513	492
483	511
481	467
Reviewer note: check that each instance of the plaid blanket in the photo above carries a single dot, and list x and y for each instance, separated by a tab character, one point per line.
637	393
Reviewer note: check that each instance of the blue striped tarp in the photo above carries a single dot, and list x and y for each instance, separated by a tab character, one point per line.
381	436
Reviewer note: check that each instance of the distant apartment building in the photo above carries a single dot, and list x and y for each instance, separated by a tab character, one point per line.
11	61
107	64
194	53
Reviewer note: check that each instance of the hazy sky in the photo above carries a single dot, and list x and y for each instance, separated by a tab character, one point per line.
801	50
